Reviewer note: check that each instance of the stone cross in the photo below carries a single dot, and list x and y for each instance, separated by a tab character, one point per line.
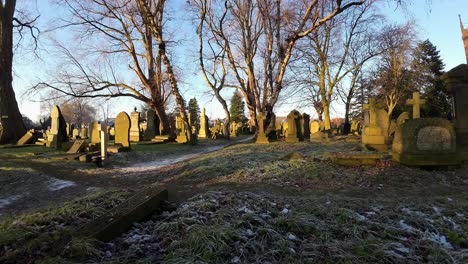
202	133
416	102
371	106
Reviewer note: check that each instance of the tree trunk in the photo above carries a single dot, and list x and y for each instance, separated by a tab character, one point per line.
164	128
10	116
326	115
227	122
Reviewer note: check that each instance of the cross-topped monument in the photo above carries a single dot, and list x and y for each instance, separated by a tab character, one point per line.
464	37
416	101
372	108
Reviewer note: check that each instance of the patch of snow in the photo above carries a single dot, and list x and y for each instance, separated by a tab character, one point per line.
370	213
328	203
361	218
449	199
8	200
436	209
57	184
406	227
245	209
249	232
438	239
285	211
292	237
235	259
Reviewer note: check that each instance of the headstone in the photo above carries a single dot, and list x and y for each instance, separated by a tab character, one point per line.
315	134
84	133
122	130
181	137
416	102
292	119
382	121
425	142
261	138
402	118
75	133
150	131
233	129
203	132
27	138
354	127
104	141
77	146
58	132
372	134
305	126
135	126
95	129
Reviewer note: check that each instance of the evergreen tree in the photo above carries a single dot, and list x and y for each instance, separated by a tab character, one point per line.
428	67
237	108
194	111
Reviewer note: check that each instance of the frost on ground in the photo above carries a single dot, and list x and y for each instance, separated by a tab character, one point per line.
57	184
246	227
8	200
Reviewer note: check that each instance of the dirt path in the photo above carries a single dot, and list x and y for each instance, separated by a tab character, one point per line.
29	183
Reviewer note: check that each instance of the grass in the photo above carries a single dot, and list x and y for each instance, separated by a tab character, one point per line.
41	233
277	203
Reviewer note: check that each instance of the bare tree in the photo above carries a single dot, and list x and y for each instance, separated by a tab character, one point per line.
335	51
11	121
212	58
114	33
265	33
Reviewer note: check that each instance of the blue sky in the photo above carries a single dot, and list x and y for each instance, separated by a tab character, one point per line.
437	21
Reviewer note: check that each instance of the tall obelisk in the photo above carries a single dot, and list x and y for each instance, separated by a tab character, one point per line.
464	37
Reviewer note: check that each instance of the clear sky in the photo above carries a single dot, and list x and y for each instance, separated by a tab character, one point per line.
436	21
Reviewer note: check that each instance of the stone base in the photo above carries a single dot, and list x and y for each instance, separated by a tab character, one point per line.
160	139
373	139
134	139
421	160
291	139
181	139
372	131
262	140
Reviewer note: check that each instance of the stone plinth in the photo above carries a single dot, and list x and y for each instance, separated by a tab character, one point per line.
457	82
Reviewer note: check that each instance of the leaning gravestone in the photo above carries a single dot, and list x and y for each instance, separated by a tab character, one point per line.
77	146
122	130
27	138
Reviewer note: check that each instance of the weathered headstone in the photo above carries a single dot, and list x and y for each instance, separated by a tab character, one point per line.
372	134
135	126
75	133
305	121
261	138
77	146
402	118
150	131
233	129
27	138
425	142
122	130
84	133
416	102
203	132
95	129
57	133
294	129
181	137
315	134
